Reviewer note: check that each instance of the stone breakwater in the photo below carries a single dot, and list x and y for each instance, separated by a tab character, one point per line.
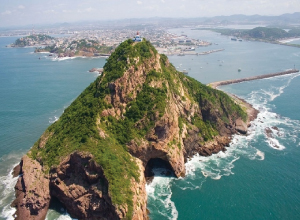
227	82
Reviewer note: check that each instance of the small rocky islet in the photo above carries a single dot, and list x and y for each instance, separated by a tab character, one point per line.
96	158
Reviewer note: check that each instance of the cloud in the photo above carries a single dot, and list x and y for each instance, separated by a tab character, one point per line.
139	2
21	7
163	1
7	12
89	9
49	11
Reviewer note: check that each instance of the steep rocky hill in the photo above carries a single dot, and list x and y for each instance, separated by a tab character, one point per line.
93	159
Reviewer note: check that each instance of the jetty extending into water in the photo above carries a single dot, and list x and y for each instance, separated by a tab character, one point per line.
227	82
183	53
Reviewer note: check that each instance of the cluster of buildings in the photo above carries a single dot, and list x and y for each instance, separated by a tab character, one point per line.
164	41
34	40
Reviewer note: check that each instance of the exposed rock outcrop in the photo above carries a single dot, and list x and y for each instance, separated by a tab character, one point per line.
241	126
140	195
79	183
32	191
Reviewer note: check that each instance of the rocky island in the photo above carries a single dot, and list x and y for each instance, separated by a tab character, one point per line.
141	109
82	47
64	47
34	40
263	34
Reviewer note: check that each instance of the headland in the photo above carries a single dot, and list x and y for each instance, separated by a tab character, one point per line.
140	110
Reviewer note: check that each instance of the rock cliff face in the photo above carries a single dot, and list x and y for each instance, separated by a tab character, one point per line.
32	191
80	184
93	158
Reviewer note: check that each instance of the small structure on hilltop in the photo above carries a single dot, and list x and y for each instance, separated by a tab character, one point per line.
137	38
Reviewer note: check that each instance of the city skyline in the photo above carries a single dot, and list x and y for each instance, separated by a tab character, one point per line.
33	12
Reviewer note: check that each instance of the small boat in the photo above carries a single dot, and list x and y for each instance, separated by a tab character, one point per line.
239	70
189	49
234	39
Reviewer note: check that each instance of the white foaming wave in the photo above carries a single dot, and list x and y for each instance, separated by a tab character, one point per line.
7	184
296	54
64	216
53	119
189	185
159	190
289	40
95	73
266	120
222	163
260	154
286	128
8	212
62	58
275	92
57	113
55	58
216	165
274	143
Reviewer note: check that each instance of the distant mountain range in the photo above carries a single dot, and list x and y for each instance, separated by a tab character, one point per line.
244	19
280	20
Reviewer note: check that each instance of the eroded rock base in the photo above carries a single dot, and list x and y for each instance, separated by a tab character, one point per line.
79	183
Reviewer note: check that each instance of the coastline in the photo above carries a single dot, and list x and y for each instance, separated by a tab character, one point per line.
250	110
220	142
279	42
288	40
214	85
284	41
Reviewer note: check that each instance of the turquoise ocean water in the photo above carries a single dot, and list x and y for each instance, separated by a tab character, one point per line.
258	177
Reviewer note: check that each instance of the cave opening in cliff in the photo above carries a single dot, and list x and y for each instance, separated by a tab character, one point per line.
57	206
158	167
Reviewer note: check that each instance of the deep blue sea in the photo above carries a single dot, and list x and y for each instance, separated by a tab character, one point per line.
258	177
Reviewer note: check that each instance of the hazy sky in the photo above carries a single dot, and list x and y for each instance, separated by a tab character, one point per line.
27	12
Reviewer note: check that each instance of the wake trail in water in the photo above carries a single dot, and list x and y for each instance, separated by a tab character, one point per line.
275	92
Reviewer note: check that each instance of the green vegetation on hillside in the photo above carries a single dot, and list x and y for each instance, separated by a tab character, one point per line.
147	104
260	33
81	126
77	130
209	101
122	58
32	40
77	46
